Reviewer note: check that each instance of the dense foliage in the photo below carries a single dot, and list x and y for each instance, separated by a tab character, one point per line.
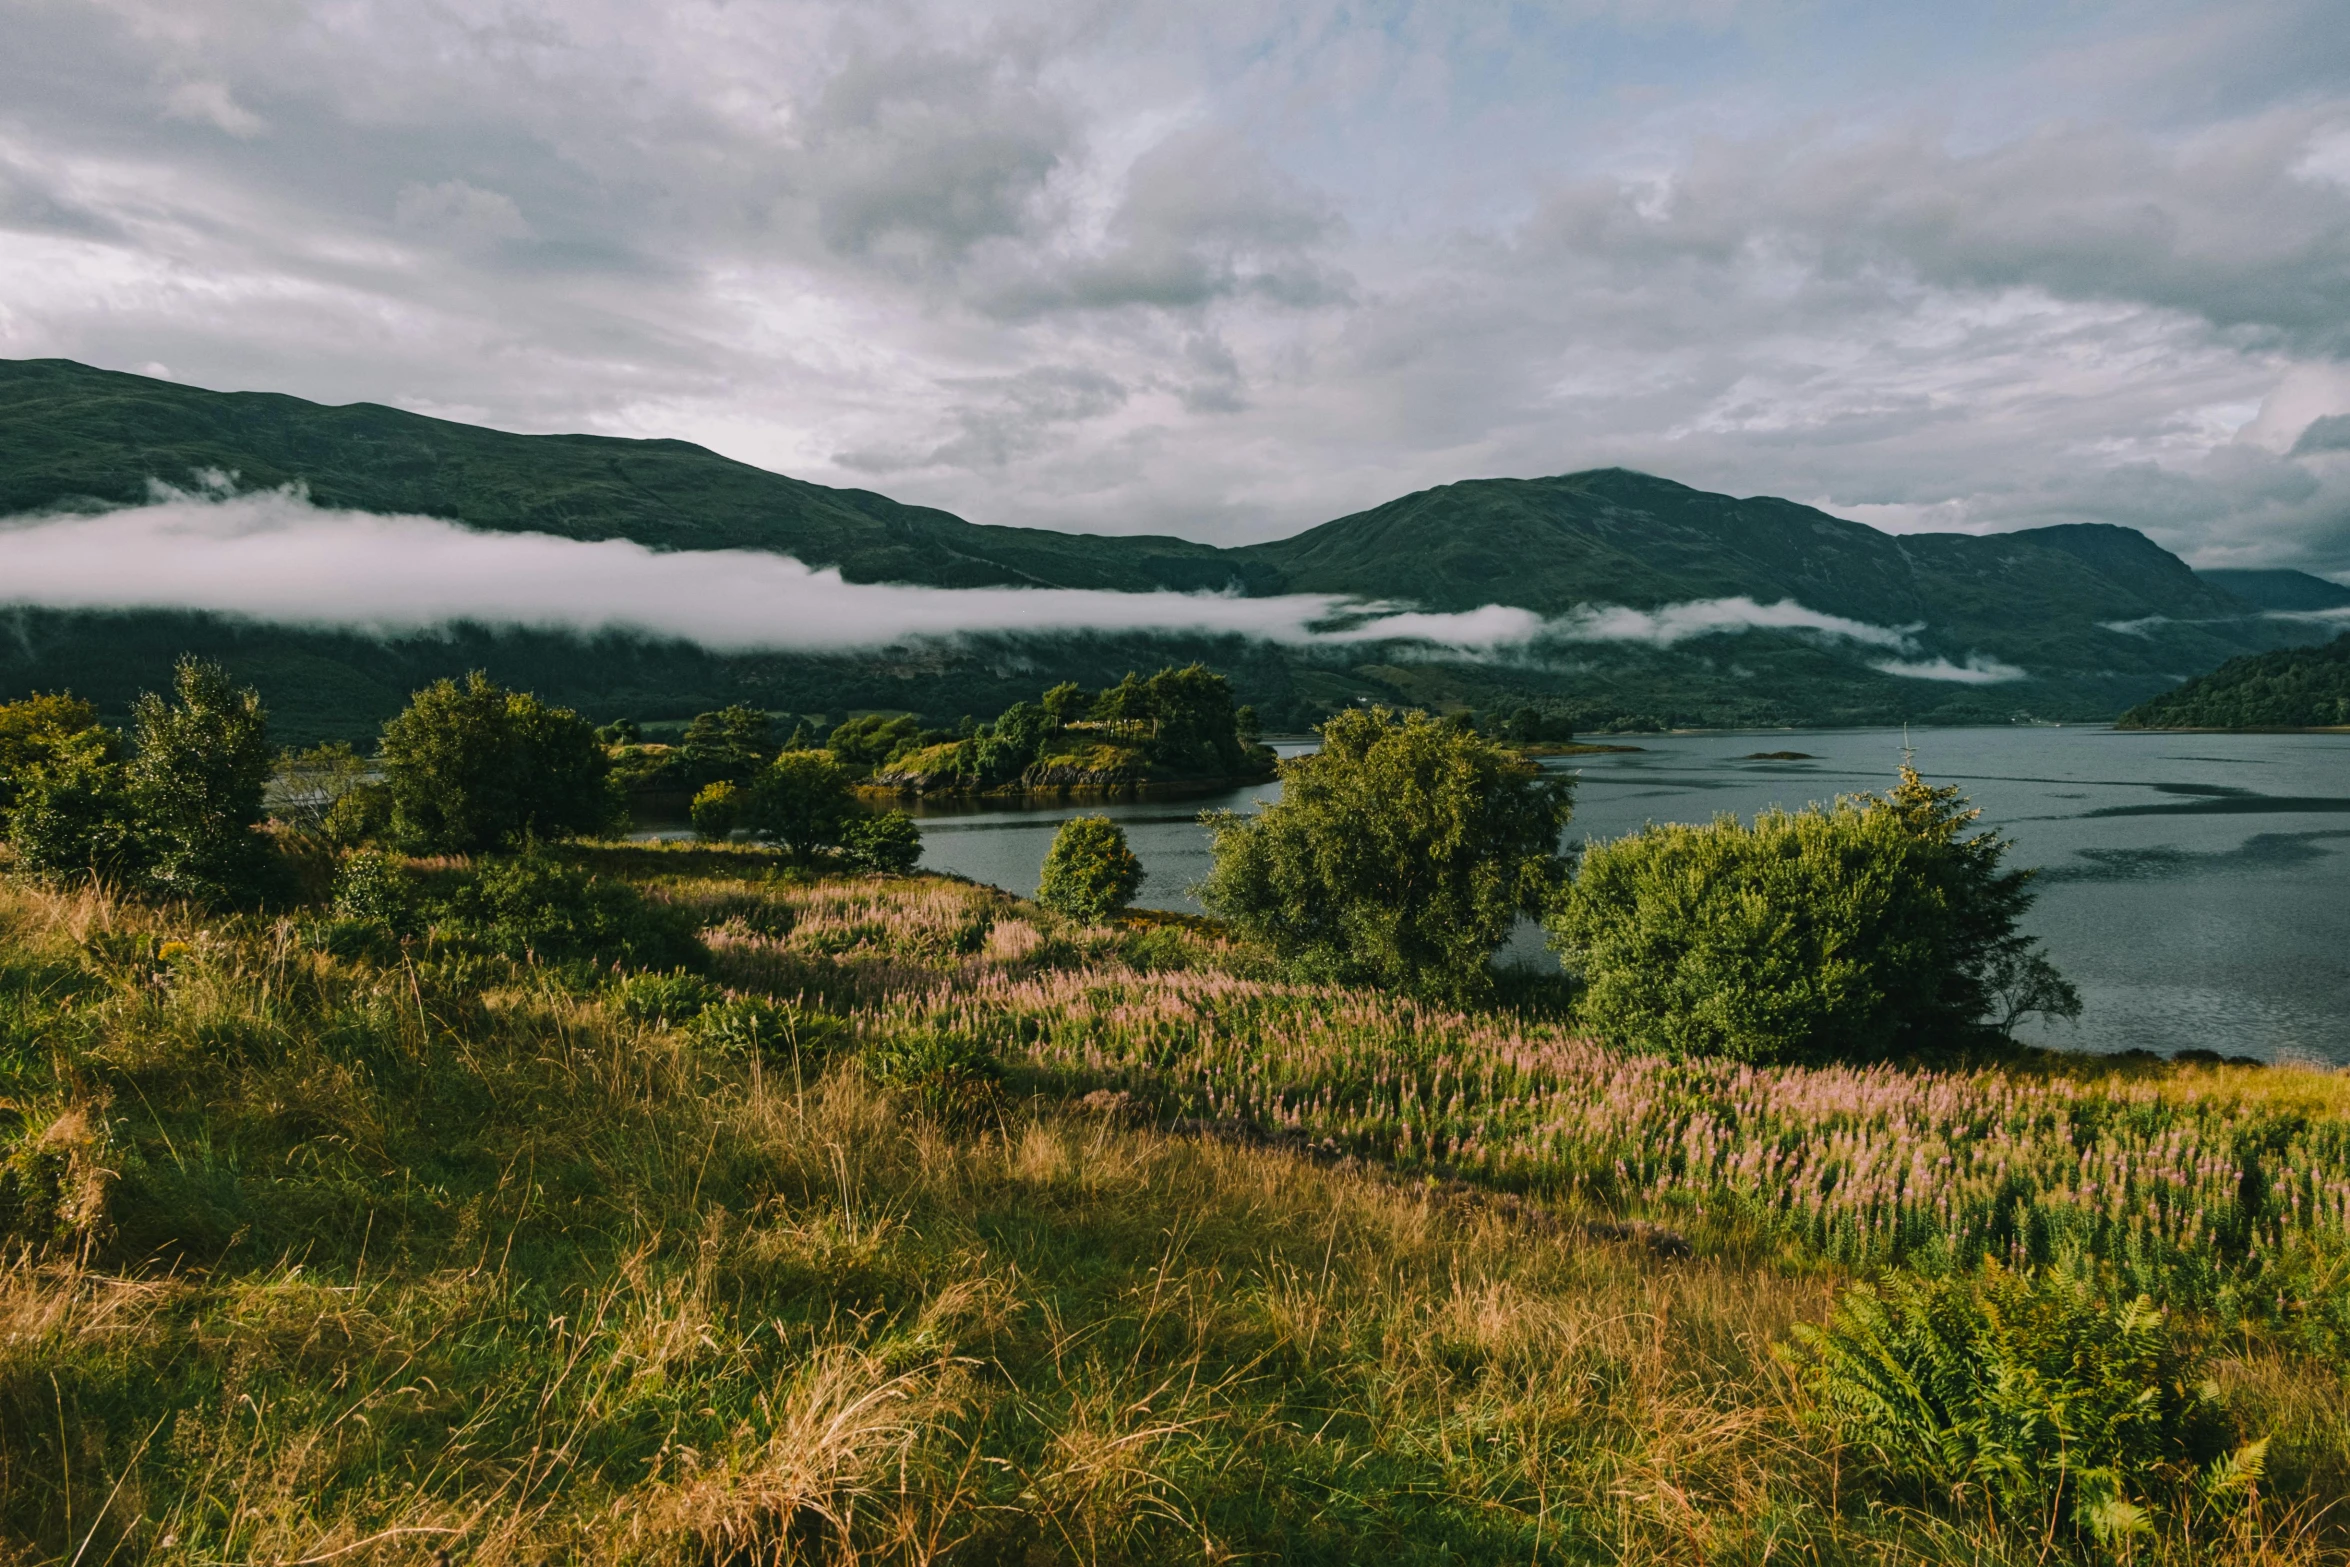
803	800
1399	854
1089	872
2297	688
472	766
2033	1392
887	842
176	812
1878	925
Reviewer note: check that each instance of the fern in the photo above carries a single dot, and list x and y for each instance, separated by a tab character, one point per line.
2031	1392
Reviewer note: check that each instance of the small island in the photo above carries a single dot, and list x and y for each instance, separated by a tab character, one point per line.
1177	730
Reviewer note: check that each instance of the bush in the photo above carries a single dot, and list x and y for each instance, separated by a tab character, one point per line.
754	1026
1401	855
945	1076
73	810
2030	1391
31	733
1089	873
864	743
726	746
666	1000
196	783
1869	928
371	885
889	843
539	911
475	767
802	801
717	811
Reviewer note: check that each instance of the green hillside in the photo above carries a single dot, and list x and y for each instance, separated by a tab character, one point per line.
2290	591
2296	688
2096	617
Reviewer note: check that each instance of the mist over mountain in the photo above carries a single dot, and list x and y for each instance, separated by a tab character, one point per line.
1619	598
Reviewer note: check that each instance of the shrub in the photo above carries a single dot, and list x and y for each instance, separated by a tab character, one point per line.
1868	928
2030	1391
889	843
1089	873
73	810
371	885
946	1076
196	785
475	767
717	811
306	787
754	1026
864	743
1400	855
666	1000
31	733
802	801
537	910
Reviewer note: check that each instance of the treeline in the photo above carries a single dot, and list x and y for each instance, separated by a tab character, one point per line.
2296	688
1178	723
187	803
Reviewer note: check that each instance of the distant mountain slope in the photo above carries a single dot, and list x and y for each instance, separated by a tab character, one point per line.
2295	688
69	433
2073	622
2289	591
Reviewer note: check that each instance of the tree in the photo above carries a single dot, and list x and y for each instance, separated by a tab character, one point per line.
801	801
32	732
1124	710
1089	872
1401	854
73	809
473	767
718	810
196	785
889	842
865	743
1012	742
1065	703
1194	725
729	745
1874	927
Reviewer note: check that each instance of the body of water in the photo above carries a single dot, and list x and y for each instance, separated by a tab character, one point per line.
2195	887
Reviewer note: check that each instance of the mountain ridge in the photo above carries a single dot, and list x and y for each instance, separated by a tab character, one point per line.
2071	621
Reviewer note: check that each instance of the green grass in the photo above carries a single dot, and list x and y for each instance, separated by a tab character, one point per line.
364	1257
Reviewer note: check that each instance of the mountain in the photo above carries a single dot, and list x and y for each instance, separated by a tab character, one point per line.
2294	688
2068	622
2289	592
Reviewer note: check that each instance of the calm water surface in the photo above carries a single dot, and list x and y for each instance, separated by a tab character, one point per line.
2195	887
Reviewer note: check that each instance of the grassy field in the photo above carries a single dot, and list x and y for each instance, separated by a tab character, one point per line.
329	1249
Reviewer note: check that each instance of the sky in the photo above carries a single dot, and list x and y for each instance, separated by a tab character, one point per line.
1227	270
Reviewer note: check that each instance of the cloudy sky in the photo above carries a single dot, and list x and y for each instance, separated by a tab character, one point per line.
1228	268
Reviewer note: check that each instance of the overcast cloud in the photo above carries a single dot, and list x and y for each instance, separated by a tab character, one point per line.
1229	270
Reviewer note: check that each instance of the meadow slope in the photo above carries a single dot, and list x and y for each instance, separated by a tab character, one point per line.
326	1247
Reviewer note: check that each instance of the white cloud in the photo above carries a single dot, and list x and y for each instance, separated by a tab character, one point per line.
1708	617
1976	670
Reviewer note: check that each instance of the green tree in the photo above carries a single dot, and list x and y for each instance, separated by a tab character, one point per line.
729	745
1401	854
865	743
1124	710
1011	743
803	801
32	732
73	809
718	810
1089	872
1876	926
1065	703
888	842
474	766
1195	727
196	785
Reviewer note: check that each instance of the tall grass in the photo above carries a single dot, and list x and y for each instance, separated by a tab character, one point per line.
362	1258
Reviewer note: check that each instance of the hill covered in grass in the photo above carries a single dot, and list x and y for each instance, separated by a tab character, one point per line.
2073	622
924	1226
2295	688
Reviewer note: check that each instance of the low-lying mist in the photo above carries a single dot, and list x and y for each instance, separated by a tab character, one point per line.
275	556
